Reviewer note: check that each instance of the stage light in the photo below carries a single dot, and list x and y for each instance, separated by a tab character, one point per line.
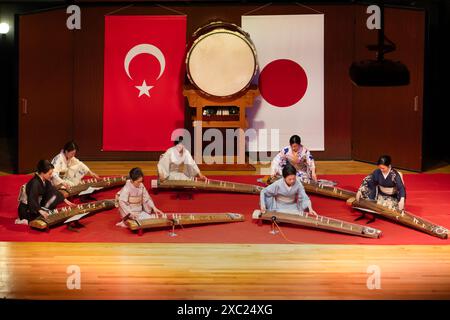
4	28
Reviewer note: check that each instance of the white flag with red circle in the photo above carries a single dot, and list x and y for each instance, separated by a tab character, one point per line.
291	78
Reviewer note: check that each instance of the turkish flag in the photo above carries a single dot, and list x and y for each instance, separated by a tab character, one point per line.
291	78
143	78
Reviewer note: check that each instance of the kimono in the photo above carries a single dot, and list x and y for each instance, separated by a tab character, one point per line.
134	200
280	197
304	162
174	165
37	194
386	190
70	172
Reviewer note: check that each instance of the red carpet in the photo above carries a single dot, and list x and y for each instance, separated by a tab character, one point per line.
428	197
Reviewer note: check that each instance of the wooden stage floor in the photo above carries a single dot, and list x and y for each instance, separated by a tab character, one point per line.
224	271
215	271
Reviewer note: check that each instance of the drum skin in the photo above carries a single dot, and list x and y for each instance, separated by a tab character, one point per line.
221	60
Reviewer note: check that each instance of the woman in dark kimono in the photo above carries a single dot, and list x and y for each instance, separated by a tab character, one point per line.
385	185
39	195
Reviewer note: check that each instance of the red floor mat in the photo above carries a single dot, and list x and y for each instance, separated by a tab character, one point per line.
428	197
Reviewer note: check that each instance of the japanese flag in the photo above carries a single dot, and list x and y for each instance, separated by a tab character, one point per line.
290	78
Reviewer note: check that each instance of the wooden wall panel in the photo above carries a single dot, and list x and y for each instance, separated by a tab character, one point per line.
80	77
388	120
338	87
45	87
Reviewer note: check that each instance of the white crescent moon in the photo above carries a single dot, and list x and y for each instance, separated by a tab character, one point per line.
145	48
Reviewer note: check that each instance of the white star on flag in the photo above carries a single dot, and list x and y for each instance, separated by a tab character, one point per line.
144	89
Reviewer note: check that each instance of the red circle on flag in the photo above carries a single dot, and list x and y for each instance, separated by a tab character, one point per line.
283	82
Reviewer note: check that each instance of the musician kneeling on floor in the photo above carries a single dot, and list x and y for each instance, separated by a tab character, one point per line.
69	170
39	195
286	195
177	164
384	185
134	201
298	156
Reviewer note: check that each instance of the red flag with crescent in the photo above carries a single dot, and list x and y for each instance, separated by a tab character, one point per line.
143	79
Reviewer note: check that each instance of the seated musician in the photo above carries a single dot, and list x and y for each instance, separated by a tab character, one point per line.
177	164
298	156
286	195
69	171
39	195
384	185
134	201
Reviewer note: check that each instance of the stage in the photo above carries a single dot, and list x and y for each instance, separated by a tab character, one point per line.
427	198
95	89
230	261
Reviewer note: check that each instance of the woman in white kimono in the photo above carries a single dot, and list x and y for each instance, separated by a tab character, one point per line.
297	155
134	201
286	195
177	164
69	170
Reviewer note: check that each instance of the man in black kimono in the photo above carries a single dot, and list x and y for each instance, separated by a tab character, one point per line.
39	195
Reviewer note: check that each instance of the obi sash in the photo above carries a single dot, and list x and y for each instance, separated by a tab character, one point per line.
136	203
389	191
176	167
285	199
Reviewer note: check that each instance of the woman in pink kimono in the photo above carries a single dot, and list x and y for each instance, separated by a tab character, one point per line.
134	201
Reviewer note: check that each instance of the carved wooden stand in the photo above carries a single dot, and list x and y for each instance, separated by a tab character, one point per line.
199	101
